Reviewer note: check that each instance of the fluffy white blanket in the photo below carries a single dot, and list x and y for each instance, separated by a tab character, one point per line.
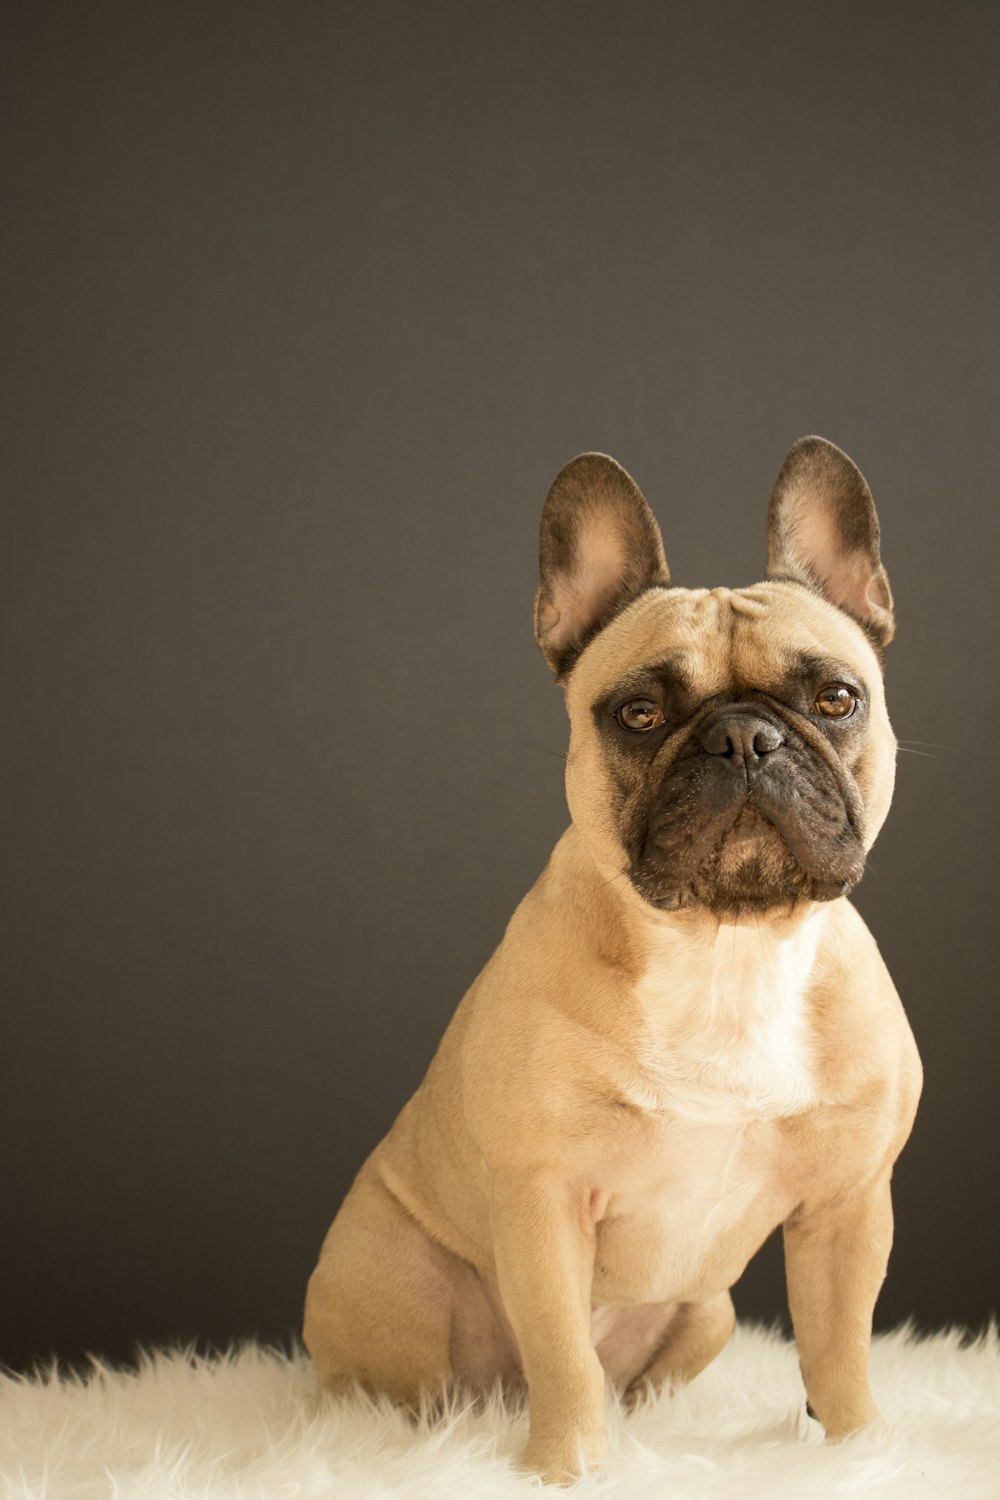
246	1425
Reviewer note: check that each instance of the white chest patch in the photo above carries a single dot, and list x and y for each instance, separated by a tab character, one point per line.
726	1034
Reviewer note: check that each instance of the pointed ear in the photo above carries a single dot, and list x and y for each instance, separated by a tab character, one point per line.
822	531
599	547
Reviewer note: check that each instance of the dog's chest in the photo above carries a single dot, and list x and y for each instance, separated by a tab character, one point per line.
725	1033
723	1055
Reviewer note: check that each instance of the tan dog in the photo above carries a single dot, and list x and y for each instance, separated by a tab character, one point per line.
687	1035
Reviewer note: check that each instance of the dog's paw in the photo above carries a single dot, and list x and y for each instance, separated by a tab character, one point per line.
643	1391
563	1462
867	1424
876	1427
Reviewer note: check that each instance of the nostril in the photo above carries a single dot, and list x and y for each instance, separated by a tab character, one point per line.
717	739
766	739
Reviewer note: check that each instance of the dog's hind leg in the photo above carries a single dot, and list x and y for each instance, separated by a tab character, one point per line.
697	1332
379	1303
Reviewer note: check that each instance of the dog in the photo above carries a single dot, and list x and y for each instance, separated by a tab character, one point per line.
687	1035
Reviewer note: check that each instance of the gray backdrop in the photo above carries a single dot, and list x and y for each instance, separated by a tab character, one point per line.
304	306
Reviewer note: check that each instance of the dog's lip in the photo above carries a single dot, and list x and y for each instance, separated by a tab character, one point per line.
748	828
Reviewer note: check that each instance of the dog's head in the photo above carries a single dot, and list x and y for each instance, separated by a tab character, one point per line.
730	749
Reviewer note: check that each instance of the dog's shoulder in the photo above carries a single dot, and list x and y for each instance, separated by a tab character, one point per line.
867	1065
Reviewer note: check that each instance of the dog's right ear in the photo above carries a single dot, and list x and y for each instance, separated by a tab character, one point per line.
599	547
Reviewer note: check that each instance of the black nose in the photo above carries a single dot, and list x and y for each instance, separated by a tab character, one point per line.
739	735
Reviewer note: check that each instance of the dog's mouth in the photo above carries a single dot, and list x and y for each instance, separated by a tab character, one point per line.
749	835
748	860
751	868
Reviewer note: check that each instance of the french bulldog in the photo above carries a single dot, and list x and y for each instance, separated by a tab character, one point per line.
687	1035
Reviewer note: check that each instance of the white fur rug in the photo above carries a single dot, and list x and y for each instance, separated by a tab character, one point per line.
246	1425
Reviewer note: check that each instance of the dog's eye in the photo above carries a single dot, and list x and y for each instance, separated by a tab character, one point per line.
837	701
639	713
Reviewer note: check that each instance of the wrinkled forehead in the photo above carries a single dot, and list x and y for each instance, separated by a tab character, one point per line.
722	640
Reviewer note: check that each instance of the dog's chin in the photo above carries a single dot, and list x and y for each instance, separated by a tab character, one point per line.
749	873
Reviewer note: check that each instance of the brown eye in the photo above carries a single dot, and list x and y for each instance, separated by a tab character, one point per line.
837	701
639	713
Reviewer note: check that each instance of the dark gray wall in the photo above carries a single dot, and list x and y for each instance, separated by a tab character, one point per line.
304	305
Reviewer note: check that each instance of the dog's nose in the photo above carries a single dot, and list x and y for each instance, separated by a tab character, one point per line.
740	737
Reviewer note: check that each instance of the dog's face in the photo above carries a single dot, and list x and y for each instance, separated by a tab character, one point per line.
730	749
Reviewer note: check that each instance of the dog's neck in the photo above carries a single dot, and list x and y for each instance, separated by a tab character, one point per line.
631	935
722	1030
726	1029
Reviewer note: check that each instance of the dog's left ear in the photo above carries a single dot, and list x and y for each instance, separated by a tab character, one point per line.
599	547
822	531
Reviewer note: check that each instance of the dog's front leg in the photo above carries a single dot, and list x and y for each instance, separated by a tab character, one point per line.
544	1247
836	1254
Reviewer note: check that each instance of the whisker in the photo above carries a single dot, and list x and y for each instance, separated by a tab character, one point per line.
559	754
928	744
905	749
